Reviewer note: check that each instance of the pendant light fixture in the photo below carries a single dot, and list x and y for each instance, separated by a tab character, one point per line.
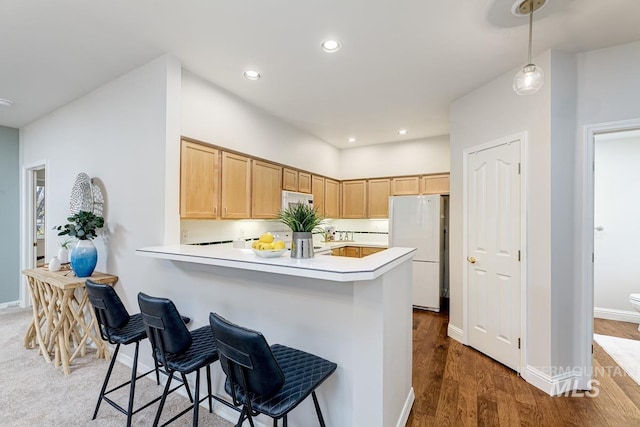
530	78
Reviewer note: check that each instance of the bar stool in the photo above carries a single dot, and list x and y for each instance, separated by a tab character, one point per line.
268	380
118	327
178	350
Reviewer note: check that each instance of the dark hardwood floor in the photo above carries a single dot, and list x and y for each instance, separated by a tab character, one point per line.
456	385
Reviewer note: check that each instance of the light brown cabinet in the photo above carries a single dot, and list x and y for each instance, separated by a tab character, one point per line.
356	251
265	189
289	179
364	251
378	200
317	189
304	182
354	199
435	184
236	186
405	186
331	198
199	181
352	251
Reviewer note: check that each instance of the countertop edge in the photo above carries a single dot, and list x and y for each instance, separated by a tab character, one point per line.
339	269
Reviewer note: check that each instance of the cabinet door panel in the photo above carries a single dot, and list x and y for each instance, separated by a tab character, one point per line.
435	184
331	198
304	182
317	189
354	199
199	181
405	186
289	179
266	189
236	186
378	203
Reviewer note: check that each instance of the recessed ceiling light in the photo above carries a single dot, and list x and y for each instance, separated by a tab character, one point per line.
6	102
403	132
351	139
251	75
331	46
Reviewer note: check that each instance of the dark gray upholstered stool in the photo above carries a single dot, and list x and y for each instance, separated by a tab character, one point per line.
267	380
178	350
118	327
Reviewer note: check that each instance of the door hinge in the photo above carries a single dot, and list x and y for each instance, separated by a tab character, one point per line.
591	348
593	257
518	255
519	343
519	167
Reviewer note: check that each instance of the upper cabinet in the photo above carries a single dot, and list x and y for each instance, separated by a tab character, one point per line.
435	184
405	186
199	181
215	183
236	186
304	182
378	200
331	198
289	179
354	199
266	189
317	189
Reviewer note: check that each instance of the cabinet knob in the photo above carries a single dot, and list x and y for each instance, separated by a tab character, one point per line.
471	260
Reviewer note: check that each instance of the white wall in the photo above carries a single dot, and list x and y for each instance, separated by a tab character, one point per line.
608	91
213	115
421	156
491	112
617	203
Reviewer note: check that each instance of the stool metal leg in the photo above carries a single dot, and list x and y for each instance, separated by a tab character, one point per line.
209	388
164	397
196	399
106	381
318	411
132	388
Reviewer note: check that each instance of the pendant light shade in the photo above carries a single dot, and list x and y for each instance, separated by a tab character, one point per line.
530	78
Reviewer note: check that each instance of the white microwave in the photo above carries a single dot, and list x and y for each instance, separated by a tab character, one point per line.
291	198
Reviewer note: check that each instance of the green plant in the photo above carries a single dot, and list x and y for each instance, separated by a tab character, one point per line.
301	218
82	226
65	243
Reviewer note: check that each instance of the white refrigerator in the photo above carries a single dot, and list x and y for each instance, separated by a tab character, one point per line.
420	222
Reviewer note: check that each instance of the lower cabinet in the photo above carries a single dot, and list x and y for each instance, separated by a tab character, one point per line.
355	251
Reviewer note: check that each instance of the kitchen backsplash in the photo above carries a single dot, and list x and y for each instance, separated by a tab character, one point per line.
204	231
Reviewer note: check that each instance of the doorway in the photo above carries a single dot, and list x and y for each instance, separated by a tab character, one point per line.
590	233
39	216
493	231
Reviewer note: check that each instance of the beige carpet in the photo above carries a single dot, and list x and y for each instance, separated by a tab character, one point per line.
33	393
625	352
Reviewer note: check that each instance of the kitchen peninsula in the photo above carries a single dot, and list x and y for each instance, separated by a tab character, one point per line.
355	312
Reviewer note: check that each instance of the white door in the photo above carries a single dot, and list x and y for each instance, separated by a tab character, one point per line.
493	197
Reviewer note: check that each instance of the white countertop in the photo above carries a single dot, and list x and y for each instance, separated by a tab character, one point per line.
322	266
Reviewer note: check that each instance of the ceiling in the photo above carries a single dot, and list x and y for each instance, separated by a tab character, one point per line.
401	65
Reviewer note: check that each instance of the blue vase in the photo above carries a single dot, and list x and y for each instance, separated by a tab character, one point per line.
84	257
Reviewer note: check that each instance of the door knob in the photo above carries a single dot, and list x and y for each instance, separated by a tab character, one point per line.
471	259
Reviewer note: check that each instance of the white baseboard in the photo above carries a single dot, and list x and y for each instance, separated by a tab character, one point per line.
406	409
455	333
9	304
614	314
563	383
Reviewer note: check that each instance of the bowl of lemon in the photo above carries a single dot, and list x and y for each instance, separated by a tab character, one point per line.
267	246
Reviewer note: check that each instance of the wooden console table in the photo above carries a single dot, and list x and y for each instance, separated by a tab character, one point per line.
59	326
